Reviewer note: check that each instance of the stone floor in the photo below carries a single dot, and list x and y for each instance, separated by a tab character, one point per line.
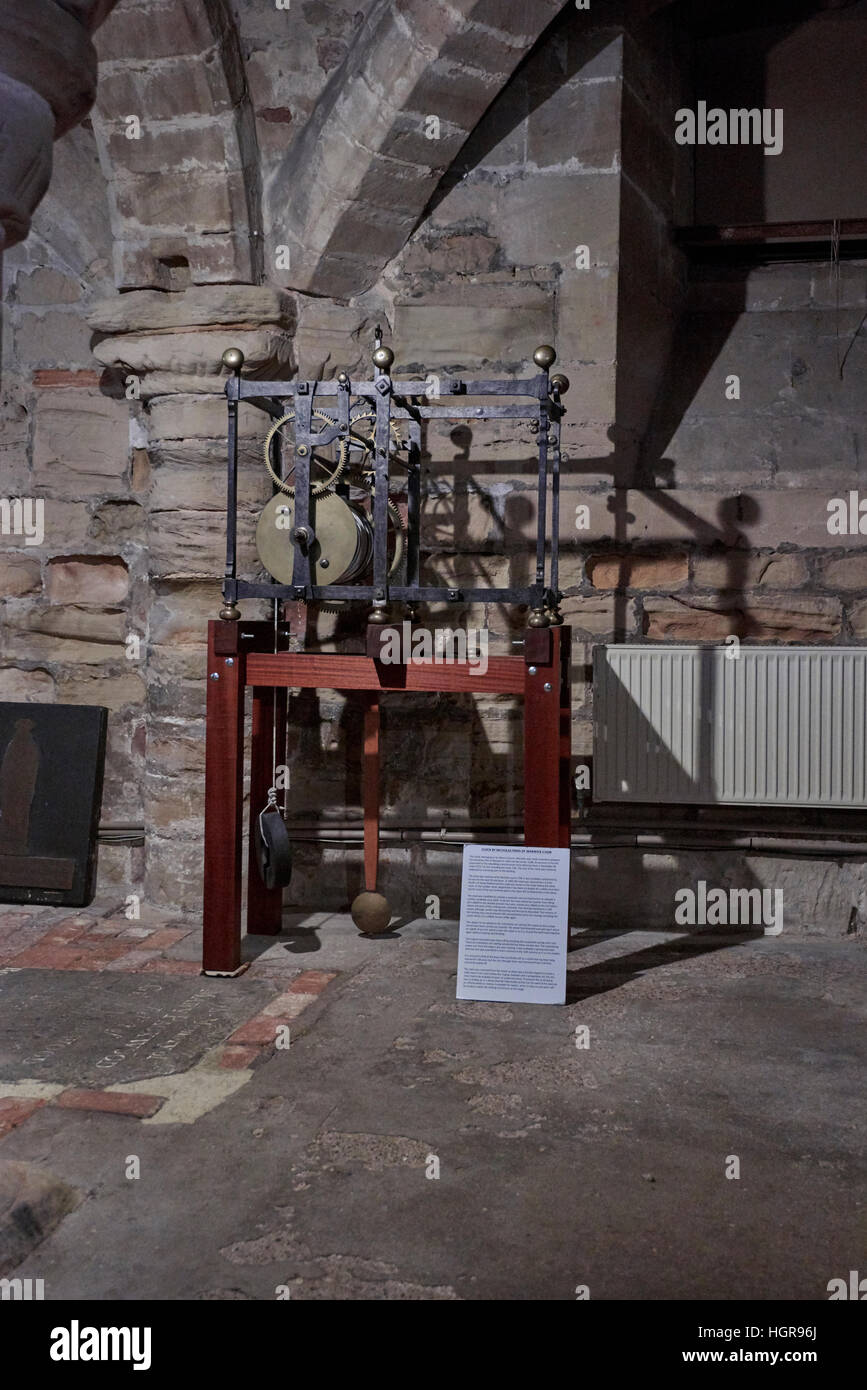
335	1125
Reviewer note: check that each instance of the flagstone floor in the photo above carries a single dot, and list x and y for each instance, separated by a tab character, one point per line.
333	1124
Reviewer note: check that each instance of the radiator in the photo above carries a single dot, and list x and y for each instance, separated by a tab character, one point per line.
778	726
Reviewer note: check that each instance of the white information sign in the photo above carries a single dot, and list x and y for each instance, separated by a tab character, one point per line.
514	924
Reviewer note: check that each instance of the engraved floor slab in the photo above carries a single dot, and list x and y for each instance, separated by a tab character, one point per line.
94	1030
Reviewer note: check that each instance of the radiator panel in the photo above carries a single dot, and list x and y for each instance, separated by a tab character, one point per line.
779	726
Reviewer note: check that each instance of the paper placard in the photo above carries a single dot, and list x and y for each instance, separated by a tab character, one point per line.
514	924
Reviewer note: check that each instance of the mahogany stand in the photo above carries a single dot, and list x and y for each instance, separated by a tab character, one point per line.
241	654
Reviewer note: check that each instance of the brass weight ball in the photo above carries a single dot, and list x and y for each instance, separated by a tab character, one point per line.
371	913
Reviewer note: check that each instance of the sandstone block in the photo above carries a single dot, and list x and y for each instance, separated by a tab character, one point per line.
45	339
158	30
175	752
44	285
460	254
192	545
87	579
18	684
599	616
183	200
858	620
120	523
197	417
199	482
165	88
848	572
792	620
116	692
199	306
180	613
472	330
637	571
580	209
739	570
66	634
81	442
578	124
19	576
196	354
154	260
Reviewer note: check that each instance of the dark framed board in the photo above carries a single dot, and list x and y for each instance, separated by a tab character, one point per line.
52	759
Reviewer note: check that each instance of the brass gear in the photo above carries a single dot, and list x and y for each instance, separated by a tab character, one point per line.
367	441
323	485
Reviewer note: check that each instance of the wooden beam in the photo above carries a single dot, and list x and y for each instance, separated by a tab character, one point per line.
504	674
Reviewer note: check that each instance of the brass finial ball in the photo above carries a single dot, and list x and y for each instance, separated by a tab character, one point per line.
544	356
383	358
233	358
560	383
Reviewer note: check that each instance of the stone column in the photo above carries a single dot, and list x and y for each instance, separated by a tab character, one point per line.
166	348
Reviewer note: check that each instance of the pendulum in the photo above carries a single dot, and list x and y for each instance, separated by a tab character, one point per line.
272	846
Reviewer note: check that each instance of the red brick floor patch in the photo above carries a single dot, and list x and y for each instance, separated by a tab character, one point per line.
111	1102
14	1112
169	936
48	958
97	953
311	982
237	1058
260	1030
62	934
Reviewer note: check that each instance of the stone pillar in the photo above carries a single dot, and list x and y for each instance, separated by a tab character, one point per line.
167	348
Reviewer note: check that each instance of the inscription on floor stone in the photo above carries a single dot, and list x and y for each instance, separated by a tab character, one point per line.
95	1030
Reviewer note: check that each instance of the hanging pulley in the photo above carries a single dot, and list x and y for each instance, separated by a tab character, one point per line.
271	839
273	847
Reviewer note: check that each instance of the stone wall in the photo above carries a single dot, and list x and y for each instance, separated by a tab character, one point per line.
706	508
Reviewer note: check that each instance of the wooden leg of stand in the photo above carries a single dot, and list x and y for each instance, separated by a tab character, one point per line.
224	766
565	798
542	749
264	906
370	792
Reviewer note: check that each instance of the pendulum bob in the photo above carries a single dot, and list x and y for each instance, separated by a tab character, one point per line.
273	849
371	913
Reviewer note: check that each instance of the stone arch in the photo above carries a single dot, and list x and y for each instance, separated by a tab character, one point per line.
417	79
177	139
